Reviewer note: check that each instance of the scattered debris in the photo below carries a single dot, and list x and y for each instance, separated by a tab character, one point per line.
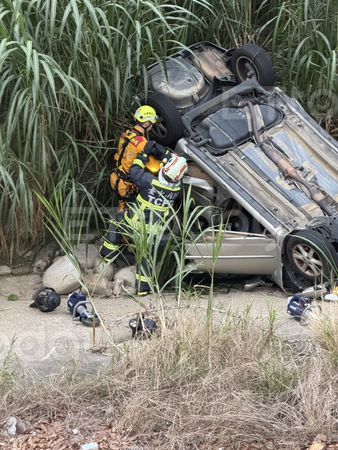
62	276
90	446
331	297
5	270
23	427
315	291
319	442
56	436
11	426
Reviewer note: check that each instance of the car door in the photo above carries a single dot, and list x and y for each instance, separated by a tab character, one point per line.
234	253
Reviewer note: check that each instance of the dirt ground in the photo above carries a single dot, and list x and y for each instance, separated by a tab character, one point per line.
44	341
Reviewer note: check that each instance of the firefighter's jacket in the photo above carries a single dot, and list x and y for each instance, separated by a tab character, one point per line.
131	144
154	199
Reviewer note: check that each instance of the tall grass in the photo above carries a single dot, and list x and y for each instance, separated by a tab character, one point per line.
69	72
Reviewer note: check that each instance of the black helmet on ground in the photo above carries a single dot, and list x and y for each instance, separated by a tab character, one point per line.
46	299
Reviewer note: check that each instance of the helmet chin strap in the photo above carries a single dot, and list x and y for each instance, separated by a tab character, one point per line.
145	128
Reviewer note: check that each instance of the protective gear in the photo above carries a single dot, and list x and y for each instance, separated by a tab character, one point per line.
46	299
142	328
131	144
153	202
77	306
112	241
145	113
174	169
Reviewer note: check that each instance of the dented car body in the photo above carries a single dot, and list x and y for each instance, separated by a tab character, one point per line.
262	163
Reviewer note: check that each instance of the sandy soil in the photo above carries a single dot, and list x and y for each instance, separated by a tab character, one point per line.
44	341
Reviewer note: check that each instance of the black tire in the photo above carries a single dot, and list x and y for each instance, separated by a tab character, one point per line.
309	259
170	127
256	59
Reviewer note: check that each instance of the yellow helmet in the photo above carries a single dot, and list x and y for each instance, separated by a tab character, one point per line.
145	113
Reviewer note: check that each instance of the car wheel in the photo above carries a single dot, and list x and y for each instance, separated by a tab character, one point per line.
309	259
169	128
252	58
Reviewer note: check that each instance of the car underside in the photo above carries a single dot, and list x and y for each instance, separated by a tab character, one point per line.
265	167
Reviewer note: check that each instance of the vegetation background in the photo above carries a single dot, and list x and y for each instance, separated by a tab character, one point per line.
70	70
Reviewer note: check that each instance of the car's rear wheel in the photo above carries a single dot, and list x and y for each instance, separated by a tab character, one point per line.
309	259
169	128
252	60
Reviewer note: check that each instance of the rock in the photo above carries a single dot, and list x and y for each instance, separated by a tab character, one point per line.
11	426
124	278
96	285
118	288
62	276
45	258
127	275
22	270
5	270
86	255
104	269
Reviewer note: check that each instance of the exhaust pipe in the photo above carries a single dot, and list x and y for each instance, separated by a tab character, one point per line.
274	152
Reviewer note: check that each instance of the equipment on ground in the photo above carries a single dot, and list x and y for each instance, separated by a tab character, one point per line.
77	305
301	308
142	328
46	299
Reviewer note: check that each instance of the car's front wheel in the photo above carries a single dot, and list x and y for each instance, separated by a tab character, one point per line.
309	259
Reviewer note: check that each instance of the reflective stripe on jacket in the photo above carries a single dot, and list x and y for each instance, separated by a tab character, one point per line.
153	196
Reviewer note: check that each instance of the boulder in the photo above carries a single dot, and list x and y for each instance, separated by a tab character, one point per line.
86	254
95	284
124	278
5	270
62	276
106	270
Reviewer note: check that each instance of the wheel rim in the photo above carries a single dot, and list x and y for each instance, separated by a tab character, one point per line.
159	130
307	260
242	65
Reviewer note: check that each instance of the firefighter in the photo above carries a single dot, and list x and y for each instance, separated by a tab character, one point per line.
131	144
156	196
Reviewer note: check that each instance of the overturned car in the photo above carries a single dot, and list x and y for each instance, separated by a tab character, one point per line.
266	167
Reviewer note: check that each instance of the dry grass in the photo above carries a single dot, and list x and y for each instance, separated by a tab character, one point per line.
192	388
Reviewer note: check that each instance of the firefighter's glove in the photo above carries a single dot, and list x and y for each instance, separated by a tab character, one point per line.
157	151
